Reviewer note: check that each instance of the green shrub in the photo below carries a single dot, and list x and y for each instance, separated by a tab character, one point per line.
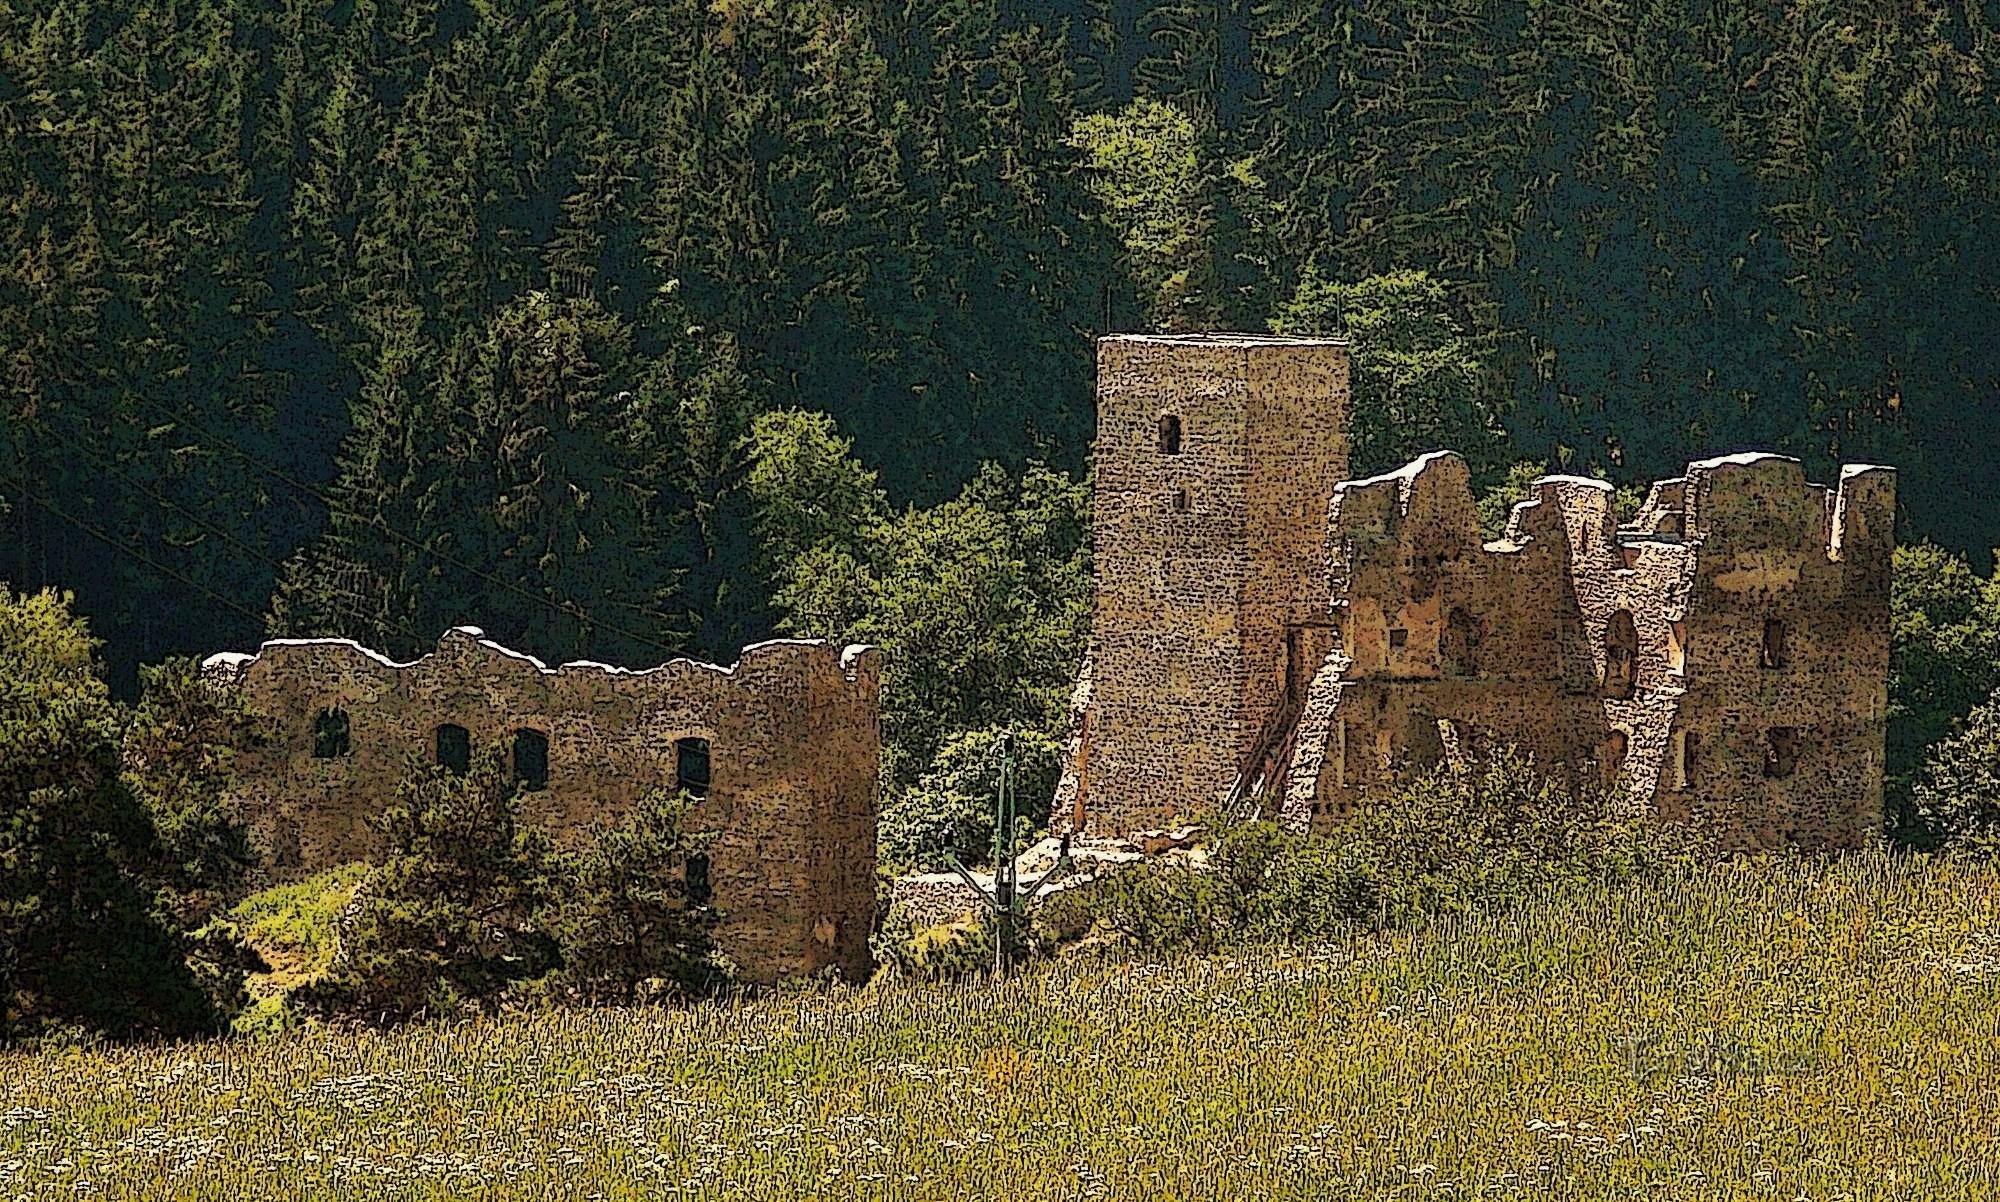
1456	836
624	926
1956	798
948	951
94	934
445	922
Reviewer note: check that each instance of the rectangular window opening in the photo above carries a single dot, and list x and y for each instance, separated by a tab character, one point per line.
531	760
331	740
1781	752
453	747
1775	652
699	889
691	766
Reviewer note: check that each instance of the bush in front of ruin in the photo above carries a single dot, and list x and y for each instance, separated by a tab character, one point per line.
619	910
469	911
1956	797
446	921
1458	835
105	873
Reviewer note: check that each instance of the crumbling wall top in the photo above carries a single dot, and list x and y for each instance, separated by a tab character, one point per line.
854	664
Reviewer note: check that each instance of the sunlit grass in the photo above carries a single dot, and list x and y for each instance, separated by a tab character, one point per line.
1765	1031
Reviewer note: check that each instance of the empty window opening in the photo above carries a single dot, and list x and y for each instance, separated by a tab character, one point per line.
691	766
699	890
1459	648
1615	747
1399	638
1170	434
1677	648
1775	652
1781	752
1687	756
454	748
1180	500
330	735
1621	655
1424	747
531	759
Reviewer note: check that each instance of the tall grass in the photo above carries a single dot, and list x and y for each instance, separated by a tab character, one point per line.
1769	1029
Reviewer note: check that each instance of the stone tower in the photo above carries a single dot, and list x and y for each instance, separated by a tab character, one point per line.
1216	456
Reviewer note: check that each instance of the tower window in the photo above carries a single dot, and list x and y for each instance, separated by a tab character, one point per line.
1615	748
531	760
453	747
330	735
691	766
1170	434
1781	752
699	890
1775	653
1689	746
1180	500
1621	655
1399	638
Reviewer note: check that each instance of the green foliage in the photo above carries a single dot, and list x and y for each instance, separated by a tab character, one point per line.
981	603
806	490
1955	800
446	922
178	751
952	951
467	912
1457	837
294	927
1418	384
1944	660
619	913
1496	504
949	809
90	933
1147	182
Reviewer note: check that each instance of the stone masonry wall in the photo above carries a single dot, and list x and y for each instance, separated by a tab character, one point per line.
792	738
1260	624
1215	457
1721	660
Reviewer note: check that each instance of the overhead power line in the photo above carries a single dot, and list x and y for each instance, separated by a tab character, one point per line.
565	608
136	553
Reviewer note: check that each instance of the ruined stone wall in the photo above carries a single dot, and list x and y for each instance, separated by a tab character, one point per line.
1787	654
1602	651
792	737
1215	458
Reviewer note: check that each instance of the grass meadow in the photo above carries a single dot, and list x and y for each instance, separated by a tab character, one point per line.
1777	1029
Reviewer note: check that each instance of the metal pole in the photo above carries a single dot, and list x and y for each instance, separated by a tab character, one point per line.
1003	859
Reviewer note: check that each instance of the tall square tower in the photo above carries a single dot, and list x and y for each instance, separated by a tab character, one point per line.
1216	457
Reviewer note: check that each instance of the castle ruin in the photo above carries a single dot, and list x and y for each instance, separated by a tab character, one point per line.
1266	630
779	751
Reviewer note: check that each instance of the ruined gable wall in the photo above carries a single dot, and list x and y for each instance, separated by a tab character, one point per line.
1772	548
1202	557
1685	590
792	730
1436	626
